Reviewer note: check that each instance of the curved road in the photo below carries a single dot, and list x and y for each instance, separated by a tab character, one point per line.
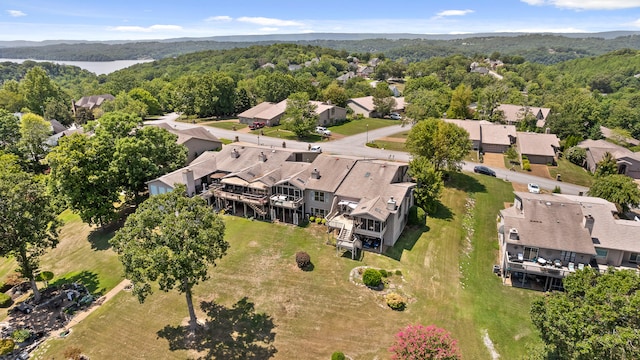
355	146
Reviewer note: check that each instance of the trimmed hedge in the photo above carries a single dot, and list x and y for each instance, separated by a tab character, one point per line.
5	300
372	277
337	356
395	301
303	259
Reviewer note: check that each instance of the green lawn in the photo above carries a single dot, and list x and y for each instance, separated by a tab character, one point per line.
227	125
359	126
389	145
571	173
257	292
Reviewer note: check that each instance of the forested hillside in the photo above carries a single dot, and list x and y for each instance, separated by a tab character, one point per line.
583	94
539	48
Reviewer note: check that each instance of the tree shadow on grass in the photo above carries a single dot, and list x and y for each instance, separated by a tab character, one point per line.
407	240
237	332
442	212
99	239
88	278
464	182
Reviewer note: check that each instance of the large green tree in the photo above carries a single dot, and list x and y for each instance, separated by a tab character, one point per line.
619	189
336	94
460	101
442	143
9	131
171	239
596	317
34	131
300	116
37	89
28	223
429	183
80	175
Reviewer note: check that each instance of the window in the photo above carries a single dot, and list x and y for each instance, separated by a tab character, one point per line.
530	253
601	253
318	196
634	258
568	256
318	212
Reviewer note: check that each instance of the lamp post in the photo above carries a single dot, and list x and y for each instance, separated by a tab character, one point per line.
258	139
367	134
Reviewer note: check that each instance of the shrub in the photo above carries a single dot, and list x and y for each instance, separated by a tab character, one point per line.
424	342
383	272
312	218
324	221
73	353
398	272
526	165
4	286
395	301
318	220
576	155
557	190
372	277
5	300
417	216
14	279
21	335
6	346
303	259
337	356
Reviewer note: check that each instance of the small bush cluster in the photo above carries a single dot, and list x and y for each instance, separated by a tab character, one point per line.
384	272
526	165
319	220
21	335
576	155
4	286
5	300
337	356
395	301
303	259
398	272
73	353
6	346
372	277
557	190
312	218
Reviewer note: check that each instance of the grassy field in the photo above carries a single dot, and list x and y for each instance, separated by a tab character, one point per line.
359	126
259	304
226	125
389	145
571	173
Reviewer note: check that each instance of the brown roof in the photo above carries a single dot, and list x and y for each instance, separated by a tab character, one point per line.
537	144
366	103
185	135
497	133
516	112
548	222
598	148
268	111
332	170
609	133
92	101
472	127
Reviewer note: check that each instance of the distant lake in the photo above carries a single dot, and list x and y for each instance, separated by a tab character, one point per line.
96	67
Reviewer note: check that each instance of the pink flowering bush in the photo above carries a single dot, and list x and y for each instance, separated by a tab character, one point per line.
418	342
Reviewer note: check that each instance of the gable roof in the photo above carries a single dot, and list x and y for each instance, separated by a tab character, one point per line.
332	170
537	144
92	101
497	133
366	103
471	126
185	135
598	148
267	110
516	112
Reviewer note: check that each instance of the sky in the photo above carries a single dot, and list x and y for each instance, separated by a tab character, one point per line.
39	20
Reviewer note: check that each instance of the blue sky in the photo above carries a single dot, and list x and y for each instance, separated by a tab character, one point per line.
142	19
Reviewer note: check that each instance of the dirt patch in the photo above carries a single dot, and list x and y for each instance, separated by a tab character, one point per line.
393	139
520	187
494	160
540	170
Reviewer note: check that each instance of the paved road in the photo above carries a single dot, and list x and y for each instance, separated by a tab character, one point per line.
355	146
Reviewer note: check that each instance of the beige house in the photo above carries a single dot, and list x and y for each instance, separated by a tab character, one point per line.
197	140
364	106
513	114
539	148
366	202
487	136
578	231
628	162
91	102
271	113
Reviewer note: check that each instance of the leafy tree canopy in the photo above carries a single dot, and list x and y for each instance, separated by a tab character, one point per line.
442	143
300	116
619	189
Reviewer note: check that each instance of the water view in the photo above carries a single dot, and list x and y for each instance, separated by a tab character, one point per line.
97	67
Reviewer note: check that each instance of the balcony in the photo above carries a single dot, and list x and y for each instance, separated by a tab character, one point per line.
249	198
370	231
287	202
538	268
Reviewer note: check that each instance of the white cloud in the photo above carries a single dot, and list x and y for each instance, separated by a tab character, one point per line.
152	28
454	13
587	4
269	21
16	13
221	18
268	29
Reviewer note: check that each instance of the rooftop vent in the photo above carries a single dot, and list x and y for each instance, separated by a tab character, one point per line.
315	174
262	157
391	204
513	234
235	154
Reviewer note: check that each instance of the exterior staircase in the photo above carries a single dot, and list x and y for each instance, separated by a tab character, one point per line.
257	209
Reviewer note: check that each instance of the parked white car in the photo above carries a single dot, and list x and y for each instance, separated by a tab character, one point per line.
395	116
316	148
533	188
323	131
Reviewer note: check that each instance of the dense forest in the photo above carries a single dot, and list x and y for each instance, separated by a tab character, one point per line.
539	48
583	94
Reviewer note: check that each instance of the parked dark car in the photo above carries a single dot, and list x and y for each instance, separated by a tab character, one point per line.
484	170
